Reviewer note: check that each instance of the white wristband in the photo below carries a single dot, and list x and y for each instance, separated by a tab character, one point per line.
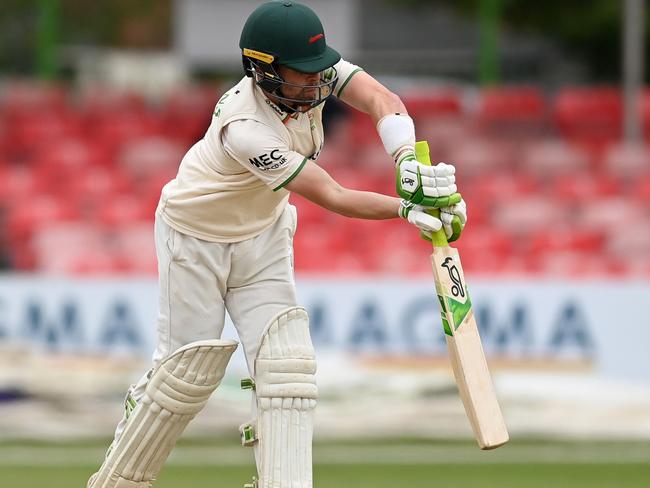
396	131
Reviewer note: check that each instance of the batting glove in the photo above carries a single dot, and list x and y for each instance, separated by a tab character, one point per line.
454	219
430	186
416	214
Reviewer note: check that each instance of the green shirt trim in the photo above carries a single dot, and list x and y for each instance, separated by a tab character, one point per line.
293	175
348	81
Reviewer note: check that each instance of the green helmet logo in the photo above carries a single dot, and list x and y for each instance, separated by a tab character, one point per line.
285	33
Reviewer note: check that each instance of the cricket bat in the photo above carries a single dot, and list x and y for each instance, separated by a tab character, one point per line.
463	340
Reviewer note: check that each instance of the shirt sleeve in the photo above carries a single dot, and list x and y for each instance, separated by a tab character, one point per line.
346	71
262	152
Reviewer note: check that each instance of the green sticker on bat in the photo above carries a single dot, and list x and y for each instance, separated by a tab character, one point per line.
459	310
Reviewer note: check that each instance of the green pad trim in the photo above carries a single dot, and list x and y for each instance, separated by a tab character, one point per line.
247	384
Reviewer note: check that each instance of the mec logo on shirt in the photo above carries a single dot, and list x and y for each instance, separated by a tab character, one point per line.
268	161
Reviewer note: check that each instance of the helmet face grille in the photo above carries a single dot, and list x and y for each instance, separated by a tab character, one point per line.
269	80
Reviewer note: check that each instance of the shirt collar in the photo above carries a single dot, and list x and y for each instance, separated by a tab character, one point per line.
275	108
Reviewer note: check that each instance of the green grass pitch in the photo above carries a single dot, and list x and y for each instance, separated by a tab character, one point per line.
375	464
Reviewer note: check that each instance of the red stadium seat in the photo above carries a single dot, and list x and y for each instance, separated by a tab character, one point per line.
479	157
93	262
586	187
193	98
521	217
645	113
32	132
97	102
26	217
576	265
21	97
641	191
444	135
362	129
546	158
4	136
513	265
119	211
567	238
335	154
517	103
517	111
627	161
149	155
372	157
72	154
400	261
633	243
637	266
501	187
149	186
485	242
433	103
591	116
187	112
17	183
614	214
117	130
96	185
116	117
33	212
135	245
388	247
58	245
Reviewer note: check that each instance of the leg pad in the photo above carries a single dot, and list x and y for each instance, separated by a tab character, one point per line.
178	389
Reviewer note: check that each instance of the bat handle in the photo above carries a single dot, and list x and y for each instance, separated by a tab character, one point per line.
439	238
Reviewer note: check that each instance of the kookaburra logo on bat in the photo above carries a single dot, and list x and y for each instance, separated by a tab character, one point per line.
457	288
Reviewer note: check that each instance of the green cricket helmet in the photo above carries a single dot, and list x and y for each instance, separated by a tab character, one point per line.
286	33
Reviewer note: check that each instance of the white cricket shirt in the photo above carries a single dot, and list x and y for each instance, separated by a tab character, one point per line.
230	184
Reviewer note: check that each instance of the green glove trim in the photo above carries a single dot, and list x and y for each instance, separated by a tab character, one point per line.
440	202
456	229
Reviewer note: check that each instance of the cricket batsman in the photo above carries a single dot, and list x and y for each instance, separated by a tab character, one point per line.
224	232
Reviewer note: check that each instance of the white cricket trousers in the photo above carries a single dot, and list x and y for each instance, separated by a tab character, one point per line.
199	280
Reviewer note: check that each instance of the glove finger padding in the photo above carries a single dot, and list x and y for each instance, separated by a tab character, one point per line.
430	186
417	215
454	219
424	221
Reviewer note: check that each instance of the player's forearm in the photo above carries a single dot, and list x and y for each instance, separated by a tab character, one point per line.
369	96
363	204
386	102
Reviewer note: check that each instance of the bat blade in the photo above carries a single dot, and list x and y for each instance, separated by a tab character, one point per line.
466	352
